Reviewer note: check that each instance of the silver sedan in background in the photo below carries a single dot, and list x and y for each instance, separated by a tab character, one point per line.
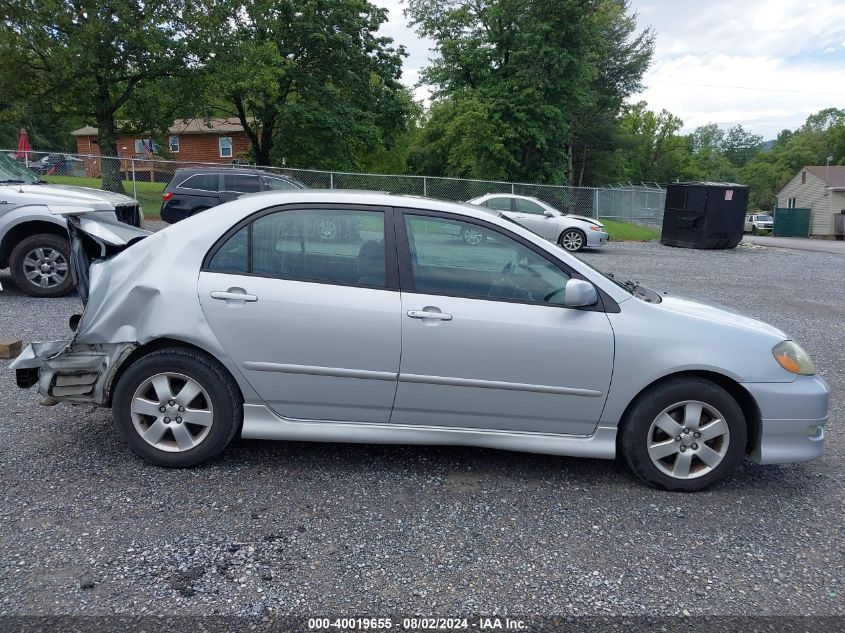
572	232
248	319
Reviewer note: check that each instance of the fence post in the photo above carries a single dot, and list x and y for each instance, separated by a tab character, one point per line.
331	180
596	203
425	187
134	186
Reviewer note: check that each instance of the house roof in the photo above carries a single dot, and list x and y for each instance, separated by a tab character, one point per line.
186	126
835	177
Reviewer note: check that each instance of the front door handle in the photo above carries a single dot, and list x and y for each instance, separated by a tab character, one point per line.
228	295
425	314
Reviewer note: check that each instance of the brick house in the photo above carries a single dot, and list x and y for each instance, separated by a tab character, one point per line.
820	189
188	140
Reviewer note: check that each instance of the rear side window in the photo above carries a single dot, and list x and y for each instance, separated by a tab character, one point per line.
233	256
279	184
335	247
500	204
203	182
243	183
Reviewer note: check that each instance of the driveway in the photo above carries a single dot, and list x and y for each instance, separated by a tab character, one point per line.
797	243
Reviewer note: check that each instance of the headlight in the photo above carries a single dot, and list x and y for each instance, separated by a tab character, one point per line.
792	357
593	227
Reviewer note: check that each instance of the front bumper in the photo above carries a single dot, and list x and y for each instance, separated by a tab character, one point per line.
793	419
70	373
596	239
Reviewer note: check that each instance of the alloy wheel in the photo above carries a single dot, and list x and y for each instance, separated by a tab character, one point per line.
572	241
45	267
172	412
688	439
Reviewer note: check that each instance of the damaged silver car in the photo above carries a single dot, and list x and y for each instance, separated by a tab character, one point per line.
360	317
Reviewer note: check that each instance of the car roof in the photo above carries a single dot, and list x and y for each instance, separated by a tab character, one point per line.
211	169
509	195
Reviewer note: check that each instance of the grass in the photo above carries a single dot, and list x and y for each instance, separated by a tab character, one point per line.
147	193
628	232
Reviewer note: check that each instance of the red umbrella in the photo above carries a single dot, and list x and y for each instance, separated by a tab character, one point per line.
24	150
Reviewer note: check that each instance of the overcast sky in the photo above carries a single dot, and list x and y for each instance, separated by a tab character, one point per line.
766	64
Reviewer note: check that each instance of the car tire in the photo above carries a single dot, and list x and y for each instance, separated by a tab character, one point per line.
197	210
572	240
211	406
658	436
753	230
40	265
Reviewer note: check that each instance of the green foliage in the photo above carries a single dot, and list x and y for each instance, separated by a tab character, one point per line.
88	57
310	80
627	232
520	85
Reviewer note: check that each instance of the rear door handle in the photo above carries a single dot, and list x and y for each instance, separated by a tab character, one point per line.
425	314
226	295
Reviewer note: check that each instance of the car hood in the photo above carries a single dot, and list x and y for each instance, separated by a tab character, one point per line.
73	195
715	313
583	218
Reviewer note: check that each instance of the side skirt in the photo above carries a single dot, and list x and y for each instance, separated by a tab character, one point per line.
262	424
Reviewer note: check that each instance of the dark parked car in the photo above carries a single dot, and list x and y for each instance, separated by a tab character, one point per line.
56	165
196	189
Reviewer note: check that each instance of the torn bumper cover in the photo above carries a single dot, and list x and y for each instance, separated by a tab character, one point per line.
71	372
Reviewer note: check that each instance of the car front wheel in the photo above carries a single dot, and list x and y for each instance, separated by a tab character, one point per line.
572	240
40	266
685	434
177	408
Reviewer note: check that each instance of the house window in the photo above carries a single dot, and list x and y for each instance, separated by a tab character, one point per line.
174	144
803	177
225	145
790	203
145	146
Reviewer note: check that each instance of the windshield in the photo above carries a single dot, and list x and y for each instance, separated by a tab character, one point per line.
764	218
12	171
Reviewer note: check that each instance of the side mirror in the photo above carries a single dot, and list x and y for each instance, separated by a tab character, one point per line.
579	293
548	213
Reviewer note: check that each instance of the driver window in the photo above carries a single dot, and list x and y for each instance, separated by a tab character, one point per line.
468	260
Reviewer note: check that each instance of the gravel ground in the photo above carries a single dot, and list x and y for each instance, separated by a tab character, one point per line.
313	529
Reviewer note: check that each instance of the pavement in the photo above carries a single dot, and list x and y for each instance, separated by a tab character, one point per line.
834	247
274	528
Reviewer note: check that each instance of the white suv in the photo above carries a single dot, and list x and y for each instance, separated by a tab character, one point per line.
33	241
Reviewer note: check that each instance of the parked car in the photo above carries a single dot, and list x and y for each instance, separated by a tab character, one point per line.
572	232
56	165
34	240
240	321
196	189
758	223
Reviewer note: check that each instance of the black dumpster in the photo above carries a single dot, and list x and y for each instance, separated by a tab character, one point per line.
704	214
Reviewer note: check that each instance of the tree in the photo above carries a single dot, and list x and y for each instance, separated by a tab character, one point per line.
517	81
740	146
90	56
309	75
653	150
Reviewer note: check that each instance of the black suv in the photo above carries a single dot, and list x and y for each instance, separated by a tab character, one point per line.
195	189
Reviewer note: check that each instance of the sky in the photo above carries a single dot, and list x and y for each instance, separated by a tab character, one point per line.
766	64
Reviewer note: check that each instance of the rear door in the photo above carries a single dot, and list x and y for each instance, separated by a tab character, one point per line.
235	185
486	342
305	301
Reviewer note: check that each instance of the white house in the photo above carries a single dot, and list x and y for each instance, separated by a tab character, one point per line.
820	189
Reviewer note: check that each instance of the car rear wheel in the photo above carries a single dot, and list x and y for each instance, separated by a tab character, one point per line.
684	434
177	408
572	240
40	266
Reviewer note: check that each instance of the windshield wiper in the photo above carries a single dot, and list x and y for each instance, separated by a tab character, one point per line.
14	182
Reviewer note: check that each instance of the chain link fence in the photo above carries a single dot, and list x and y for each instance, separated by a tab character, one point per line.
144	178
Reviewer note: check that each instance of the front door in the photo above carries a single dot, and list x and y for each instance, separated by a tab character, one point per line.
486	342
533	217
304	303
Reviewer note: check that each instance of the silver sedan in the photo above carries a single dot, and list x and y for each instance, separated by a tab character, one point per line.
572	232
251	320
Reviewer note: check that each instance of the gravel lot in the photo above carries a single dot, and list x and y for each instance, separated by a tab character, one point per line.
311	529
